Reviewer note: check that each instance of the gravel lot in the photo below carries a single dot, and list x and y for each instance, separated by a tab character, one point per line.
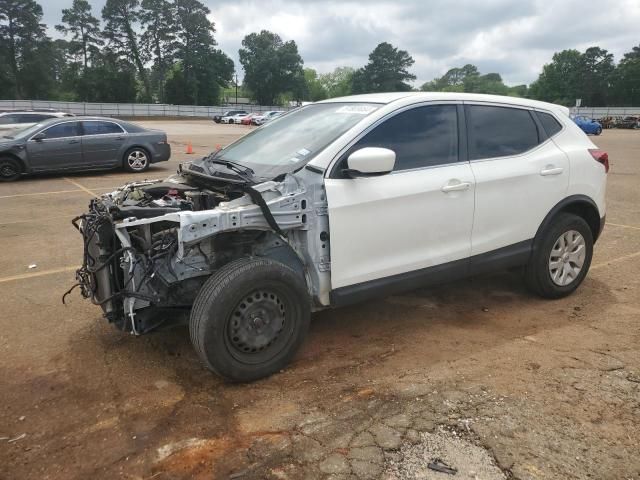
478	373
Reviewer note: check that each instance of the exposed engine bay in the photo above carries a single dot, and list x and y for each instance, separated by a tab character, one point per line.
149	246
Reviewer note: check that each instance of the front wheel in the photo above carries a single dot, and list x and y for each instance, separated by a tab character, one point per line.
250	318
136	160
9	170
561	257
599	131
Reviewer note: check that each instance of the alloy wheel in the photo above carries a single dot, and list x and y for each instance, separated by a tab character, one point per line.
567	258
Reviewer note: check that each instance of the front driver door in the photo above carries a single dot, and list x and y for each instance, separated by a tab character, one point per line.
389	229
60	149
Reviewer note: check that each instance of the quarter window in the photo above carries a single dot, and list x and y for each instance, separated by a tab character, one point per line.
499	131
62	130
101	128
549	123
421	137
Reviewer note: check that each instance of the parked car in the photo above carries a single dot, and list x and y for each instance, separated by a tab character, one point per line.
18	120
341	201
228	113
248	120
235	119
266	116
80	143
588	125
628	122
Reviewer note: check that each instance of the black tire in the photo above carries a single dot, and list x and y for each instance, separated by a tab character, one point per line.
136	160
10	169
223	320
599	131
538	273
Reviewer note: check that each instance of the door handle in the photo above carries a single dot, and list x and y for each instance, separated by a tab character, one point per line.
119	138
551	170
74	141
456	187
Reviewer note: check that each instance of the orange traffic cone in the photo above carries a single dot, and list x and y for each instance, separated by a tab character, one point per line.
189	147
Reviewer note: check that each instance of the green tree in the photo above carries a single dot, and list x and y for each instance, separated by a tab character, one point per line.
626	81
84	28
20	35
120	29
159	38
597	71
338	82
387	71
314	90
271	66
205	69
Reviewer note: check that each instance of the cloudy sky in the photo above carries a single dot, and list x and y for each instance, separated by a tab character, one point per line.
511	37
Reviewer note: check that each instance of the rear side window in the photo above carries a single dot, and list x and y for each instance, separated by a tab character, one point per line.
499	131
62	130
8	119
421	137
100	128
549	123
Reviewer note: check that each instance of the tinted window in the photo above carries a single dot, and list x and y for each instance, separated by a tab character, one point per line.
421	137
100	128
551	125
62	130
499	131
33	117
7	119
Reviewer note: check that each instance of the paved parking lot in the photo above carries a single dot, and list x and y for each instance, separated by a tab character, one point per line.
550	388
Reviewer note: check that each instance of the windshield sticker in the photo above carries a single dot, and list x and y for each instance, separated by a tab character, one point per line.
357	109
303	152
294	159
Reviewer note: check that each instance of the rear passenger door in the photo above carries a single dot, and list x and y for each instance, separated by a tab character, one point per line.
102	142
520	175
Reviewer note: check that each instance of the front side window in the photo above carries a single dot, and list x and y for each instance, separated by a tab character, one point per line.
420	137
100	128
499	131
62	130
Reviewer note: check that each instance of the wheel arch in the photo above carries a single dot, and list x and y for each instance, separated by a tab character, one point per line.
579	205
15	157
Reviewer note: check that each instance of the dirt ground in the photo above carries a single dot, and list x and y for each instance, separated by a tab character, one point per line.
550	389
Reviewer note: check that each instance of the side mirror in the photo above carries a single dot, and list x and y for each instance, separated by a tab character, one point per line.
370	162
39	136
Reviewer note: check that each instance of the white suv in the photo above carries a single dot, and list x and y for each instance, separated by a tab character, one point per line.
342	201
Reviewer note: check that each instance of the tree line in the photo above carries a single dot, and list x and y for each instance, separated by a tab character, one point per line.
165	51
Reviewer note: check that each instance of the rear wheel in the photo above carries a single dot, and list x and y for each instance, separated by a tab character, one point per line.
250	318
10	169
136	160
599	131
561	258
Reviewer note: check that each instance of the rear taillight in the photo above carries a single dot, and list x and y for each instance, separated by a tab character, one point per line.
600	156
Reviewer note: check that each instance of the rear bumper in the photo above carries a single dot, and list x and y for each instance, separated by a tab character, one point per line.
603	221
162	153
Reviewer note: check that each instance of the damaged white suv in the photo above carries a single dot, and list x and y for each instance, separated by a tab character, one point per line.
338	202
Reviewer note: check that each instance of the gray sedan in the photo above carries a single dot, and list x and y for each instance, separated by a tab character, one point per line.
80	143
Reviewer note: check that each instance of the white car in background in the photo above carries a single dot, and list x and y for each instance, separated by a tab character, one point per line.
21	120
237	118
266	116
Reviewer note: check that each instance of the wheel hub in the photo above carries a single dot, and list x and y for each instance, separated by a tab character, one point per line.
256	322
567	258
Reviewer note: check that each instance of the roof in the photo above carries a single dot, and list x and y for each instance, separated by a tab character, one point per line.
391	97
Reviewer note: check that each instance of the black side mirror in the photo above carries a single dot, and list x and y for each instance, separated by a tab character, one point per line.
38	137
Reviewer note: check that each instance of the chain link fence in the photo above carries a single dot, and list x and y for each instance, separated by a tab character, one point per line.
133	109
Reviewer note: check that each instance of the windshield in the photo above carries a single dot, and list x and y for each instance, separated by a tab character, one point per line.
288	142
24	132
